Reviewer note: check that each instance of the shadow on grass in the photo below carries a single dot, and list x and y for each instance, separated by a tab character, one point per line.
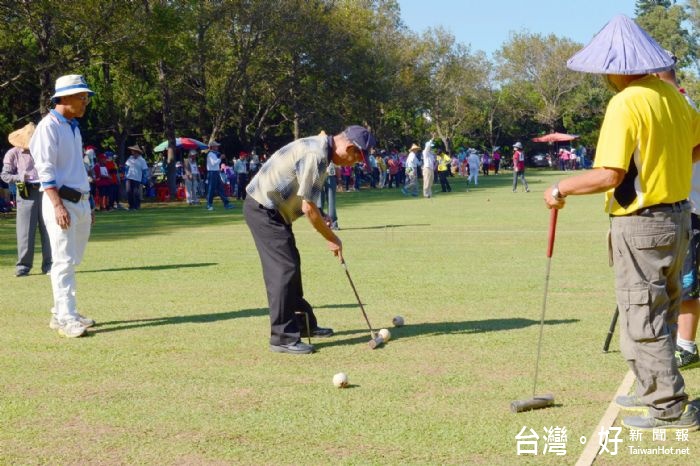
158	218
155	219
116	325
379	227
444	328
338	306
153	267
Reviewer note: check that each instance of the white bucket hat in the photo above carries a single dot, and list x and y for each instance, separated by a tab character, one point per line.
69	85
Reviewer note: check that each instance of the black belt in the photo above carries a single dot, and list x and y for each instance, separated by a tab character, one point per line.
672	207
34	185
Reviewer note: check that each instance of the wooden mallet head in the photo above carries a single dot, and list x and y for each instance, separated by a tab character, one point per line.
376	341
536	402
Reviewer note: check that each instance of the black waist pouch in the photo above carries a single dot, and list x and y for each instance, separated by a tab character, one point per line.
22	189
70	194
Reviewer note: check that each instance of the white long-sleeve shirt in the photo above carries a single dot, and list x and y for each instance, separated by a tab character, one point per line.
411	160
213	161
428	156
135	167
57	148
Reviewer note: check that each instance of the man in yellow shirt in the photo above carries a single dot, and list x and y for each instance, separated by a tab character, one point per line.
643	164
443	161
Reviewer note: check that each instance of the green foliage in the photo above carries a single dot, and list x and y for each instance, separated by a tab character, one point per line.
644	7
666	24
534	66
260	72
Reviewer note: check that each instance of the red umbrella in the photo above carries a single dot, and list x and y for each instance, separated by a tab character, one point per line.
555	137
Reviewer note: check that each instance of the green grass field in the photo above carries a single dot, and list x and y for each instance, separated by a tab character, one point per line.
178	369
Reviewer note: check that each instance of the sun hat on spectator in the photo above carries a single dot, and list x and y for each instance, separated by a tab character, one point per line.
20	138
622	47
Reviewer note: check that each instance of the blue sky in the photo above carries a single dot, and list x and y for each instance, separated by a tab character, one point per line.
487	24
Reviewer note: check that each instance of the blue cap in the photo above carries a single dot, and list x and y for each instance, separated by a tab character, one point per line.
361	138
621	47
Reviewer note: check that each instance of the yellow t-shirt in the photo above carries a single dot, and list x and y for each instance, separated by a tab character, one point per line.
649	131
443	160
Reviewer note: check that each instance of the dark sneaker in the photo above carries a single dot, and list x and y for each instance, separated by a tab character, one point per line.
21	272
687	420
630	403
296	348
318	332
686	359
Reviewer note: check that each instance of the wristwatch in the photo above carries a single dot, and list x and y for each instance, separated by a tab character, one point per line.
556	194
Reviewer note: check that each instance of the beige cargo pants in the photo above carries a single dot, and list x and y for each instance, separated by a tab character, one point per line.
648	251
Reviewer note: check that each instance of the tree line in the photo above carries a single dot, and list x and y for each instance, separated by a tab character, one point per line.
254	74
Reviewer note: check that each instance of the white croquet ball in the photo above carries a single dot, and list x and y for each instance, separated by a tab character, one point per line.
340	380
397	321
385	334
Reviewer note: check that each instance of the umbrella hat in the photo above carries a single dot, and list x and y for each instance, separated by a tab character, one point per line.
621	47
555	137
181	143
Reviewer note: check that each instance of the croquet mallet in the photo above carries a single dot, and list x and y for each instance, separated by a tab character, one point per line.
540	401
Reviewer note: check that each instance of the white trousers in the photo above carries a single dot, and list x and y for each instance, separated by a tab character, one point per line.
473	175
428	176
67	248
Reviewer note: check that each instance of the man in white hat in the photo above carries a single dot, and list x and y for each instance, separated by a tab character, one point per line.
519	167
473	161
428	167
647	143
57	147
214	183
192	178
18	167
136	167
411	187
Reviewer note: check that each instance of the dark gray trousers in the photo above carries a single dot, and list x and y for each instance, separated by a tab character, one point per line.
281	266
648	251
28	218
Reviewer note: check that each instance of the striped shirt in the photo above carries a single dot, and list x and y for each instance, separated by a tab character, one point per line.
294	173
57	148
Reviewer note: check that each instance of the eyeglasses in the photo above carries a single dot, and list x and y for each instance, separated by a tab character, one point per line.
84	98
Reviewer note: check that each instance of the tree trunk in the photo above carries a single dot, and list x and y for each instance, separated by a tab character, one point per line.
169	127
43	35
297	130
202	83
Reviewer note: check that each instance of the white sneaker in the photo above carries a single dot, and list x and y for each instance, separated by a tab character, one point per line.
71	328
86	322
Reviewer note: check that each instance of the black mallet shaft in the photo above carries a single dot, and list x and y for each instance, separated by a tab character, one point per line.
372	334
